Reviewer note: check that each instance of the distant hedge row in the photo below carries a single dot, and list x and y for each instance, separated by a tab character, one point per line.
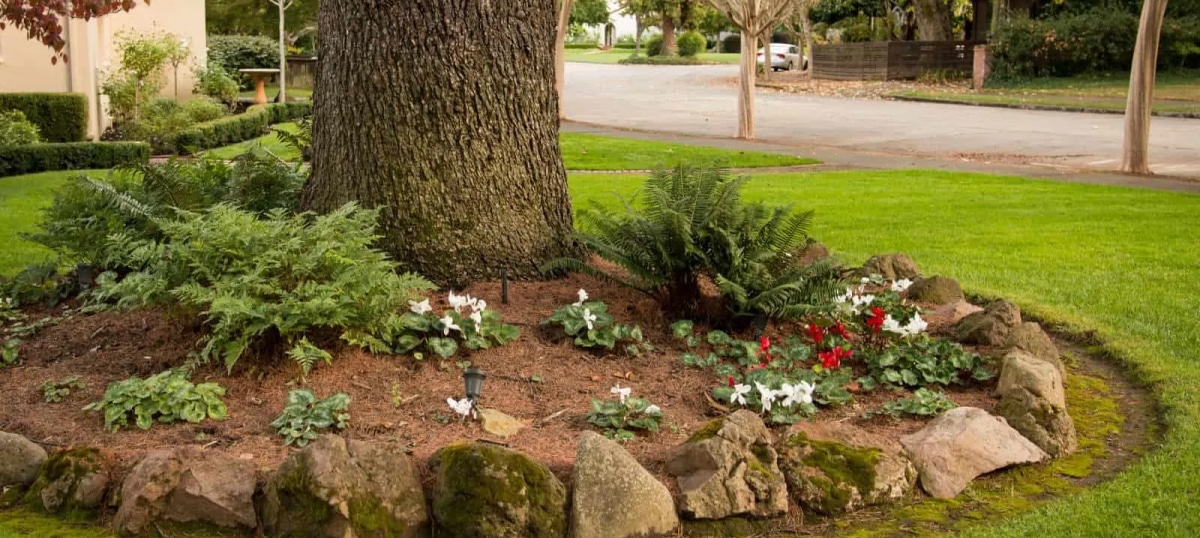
33	158
60	117
233	129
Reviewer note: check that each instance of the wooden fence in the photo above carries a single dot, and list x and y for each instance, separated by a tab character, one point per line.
891	60
301	71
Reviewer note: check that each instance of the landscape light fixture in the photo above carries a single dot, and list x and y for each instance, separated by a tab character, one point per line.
473	382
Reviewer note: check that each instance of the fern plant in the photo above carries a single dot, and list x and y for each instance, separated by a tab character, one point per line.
690	223
254	279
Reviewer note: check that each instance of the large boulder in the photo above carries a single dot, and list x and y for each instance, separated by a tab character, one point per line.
345	489
1030	338
20	460
936	290
615	497
71	481
891	267
950	314
832	468
187	486
961	444
813	253
730	467
1033	402
990	327
485	491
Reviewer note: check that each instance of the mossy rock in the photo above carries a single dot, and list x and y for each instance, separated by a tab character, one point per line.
486	491
840	468
990	327
936	290
1045	424
893	266
339	488
71	482
730	527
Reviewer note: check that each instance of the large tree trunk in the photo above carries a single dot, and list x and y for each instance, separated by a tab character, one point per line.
560	55
637	38
806	29
456	145
1141	89
668	29
746	86
933	20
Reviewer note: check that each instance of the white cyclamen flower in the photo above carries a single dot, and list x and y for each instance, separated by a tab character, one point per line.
420	308
621	392
583	296
766	396
798	393
860	301
448	324
891	325
653	410
589	318
916	325
739	394
479	305
901	285
865	280
458	301
477	317
462	407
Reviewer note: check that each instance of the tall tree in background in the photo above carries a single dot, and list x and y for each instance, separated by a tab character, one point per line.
752	18
1136	158
933	20
457	144
261	17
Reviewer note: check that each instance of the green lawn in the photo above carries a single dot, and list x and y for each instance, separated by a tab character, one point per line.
1120	261
1117	260
588	152
21	200
1175	93
612	56
294	94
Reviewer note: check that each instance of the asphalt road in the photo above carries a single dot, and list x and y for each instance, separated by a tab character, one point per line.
702	100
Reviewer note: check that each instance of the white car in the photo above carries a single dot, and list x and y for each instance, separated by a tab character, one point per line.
784	57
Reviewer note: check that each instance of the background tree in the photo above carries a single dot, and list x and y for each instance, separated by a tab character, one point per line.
261	17
590	12
752	18
642	12
457	145
1136	158
933	20
43	20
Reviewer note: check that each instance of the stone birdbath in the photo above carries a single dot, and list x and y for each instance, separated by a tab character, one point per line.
260	77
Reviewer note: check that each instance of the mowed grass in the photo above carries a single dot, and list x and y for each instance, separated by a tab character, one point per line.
21	201
585	152
612	56
1121	261
1175	93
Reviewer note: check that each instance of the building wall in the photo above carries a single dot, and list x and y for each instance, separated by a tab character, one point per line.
25	65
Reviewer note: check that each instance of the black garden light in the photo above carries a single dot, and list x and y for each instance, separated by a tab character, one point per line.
473	381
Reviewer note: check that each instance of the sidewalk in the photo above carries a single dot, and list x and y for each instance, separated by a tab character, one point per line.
839	158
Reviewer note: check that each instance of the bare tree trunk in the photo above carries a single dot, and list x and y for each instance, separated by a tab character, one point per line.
1136	159
637	39
668	29
806	28
457	146
746	86
933	20
560	55
766	52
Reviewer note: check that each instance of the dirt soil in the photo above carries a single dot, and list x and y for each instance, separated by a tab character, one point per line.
795	82
544	382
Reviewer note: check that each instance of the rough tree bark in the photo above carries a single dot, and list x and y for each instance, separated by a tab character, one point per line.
749	66
668	29
766	52
560	55
752	17
1136	158
456	145
933	20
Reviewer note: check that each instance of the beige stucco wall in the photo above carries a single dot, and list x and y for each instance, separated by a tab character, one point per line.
25	65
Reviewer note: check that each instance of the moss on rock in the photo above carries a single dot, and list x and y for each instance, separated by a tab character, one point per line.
828	477
488	491
72	483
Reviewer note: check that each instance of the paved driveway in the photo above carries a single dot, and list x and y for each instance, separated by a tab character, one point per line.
701	100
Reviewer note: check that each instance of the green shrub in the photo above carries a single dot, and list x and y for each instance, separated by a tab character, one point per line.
233	52
166	397
86	211
305	415
121	91
625	42
592	326
60	117
621	417
56	391
923	403
581	46
654	45
233	129
731	43
1091	41
33	158
660	60
262	281
920	361
691	43
690	223
420	330
15	130
215	82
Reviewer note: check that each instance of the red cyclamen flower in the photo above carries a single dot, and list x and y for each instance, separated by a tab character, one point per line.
833	359
876	320
731	382
764	345
814	331
840	330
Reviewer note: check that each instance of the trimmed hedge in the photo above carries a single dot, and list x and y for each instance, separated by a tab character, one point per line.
60	117
249	125
33	158
581	46
661	60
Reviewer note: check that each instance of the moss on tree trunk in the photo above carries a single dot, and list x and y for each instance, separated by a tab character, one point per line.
443	114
